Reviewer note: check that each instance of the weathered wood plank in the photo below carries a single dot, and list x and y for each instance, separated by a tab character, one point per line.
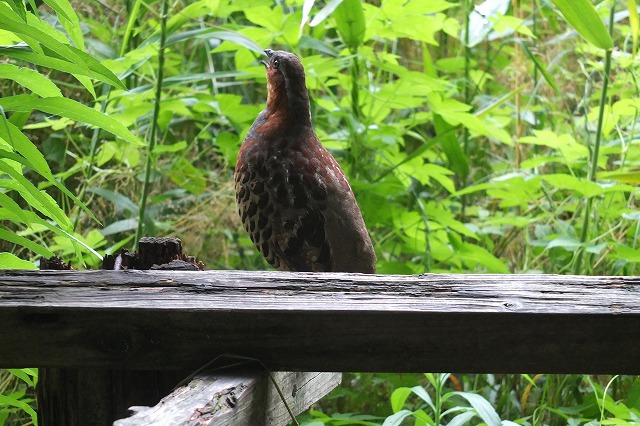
321	322
236	398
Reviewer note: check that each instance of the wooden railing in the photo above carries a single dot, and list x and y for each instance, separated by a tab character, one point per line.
100	336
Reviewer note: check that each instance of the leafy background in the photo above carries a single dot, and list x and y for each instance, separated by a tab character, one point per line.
494	136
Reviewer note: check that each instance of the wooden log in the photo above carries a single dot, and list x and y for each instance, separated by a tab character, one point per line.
236	397
321	322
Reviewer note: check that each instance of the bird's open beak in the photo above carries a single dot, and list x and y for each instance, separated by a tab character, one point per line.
269	54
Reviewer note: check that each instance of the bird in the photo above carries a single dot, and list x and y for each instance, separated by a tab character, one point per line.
293	198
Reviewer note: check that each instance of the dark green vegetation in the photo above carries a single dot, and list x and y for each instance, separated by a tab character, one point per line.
473	144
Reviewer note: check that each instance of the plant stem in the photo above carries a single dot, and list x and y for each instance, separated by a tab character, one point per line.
356	136
438	399
467	99
154	124
595	152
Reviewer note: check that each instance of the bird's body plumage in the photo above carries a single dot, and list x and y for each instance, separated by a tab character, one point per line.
294	200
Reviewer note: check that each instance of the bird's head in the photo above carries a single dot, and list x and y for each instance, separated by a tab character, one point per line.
285	76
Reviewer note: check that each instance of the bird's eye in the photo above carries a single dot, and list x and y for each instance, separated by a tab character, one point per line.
276	63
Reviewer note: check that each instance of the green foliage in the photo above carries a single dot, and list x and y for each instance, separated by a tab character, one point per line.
16	394
502	400
492	136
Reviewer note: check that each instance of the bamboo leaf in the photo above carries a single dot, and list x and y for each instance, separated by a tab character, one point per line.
71	109
69	20
32	80
47	205
585	19
54	44
33	158
34	218
26	53
13	207
14	238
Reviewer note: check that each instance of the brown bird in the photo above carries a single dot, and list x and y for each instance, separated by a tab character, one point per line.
294	200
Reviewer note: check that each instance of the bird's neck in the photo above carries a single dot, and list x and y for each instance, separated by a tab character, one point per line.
288	105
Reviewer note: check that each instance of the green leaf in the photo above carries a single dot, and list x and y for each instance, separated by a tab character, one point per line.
451	146
8	215
32	158
123	225
212	33
69	20
398	398
462	419
24	374
423	394
349	18
187	176
12	237
132	18
9	261
70	109
474	256
19	8
25	53
632	178
53	45
12	206
121	202
566	242
634	22
538	65
484	409
30	79
397	418
585	19
325	12
175	147
43	202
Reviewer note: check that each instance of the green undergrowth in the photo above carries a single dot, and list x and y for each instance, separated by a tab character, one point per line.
484	137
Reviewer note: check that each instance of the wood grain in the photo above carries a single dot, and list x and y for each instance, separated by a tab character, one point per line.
321	322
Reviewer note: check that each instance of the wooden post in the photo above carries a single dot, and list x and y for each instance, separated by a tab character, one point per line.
97	396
